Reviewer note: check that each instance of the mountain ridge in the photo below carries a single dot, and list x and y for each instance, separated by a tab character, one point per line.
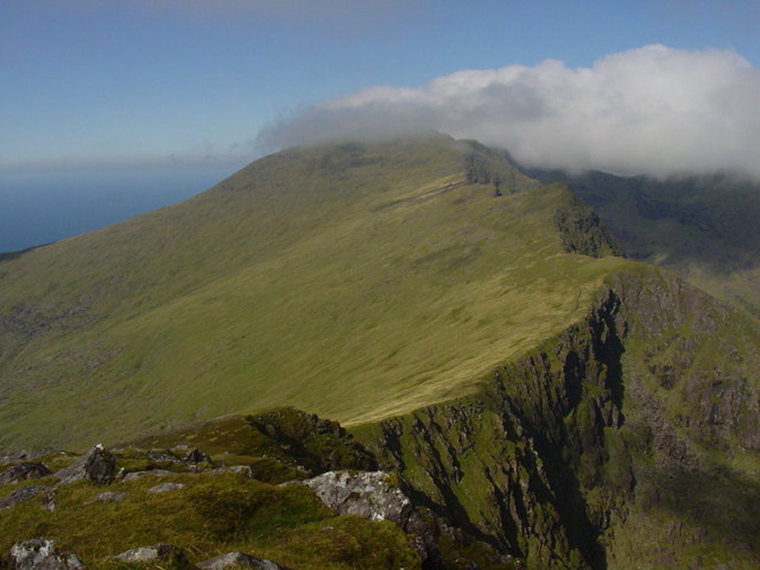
537	395
374	241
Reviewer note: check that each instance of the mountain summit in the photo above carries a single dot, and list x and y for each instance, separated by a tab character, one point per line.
359	281
472	328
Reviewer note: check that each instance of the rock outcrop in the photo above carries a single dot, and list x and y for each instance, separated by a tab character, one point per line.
166	487
379	496
317	445
110	497
239	560
97	466
21	495
563	454
39	554
23	472
371	495
162	553
197	456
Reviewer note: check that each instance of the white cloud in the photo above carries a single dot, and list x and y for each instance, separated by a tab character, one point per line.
653	110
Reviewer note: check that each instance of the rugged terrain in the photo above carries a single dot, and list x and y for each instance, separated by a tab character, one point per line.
539	400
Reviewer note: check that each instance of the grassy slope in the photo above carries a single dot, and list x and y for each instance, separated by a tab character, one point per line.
210	516
354	281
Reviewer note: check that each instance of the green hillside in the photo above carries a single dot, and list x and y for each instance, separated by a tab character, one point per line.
355	281
543	403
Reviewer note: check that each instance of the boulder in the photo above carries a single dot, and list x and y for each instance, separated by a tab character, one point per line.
97	466
157	553
243	470
239	560
24	471
369	494
162	456
40	554
48	500
21	495
150	473
15	457
377	495
164	487
109	497
196	456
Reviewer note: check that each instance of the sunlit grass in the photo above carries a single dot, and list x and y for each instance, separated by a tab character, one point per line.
355	282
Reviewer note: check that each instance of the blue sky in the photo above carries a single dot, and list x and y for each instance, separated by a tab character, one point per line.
170	83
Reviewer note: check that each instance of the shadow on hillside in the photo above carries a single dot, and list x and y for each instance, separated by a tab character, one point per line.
9	255
724	505
709	220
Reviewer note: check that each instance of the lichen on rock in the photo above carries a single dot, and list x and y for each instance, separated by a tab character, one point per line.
40	554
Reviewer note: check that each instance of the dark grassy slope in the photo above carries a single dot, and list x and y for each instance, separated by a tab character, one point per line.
356	281
705	228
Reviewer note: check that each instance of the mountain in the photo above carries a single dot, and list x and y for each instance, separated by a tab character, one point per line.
354	281
536	395
703	228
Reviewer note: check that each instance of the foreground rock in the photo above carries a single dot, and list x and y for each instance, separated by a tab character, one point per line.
39	554
23	472
165	487
239	560
110	497
161	553
152	473
379	495
375	495
20	495
196	456
97	466
368	494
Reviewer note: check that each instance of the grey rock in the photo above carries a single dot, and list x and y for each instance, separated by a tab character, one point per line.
239	560
110	497
20	495
39	554
164	487
97	466
196	456
244	470
15	457
162	456
24	455
375	495
369	494
155	553
24	471
150	473
48	500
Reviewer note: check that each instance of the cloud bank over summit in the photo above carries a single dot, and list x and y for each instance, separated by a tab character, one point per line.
652	110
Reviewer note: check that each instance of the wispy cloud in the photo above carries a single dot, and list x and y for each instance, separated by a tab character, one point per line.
652	110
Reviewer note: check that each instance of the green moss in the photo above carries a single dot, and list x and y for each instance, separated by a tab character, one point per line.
211	515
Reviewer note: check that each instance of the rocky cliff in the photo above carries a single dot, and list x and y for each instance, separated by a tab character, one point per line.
643	416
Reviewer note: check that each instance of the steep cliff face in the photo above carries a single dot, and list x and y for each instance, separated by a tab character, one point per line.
565	456
582	231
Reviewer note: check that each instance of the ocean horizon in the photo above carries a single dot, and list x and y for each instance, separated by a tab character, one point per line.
42	207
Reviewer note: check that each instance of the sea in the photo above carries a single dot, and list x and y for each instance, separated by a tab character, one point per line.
43	207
